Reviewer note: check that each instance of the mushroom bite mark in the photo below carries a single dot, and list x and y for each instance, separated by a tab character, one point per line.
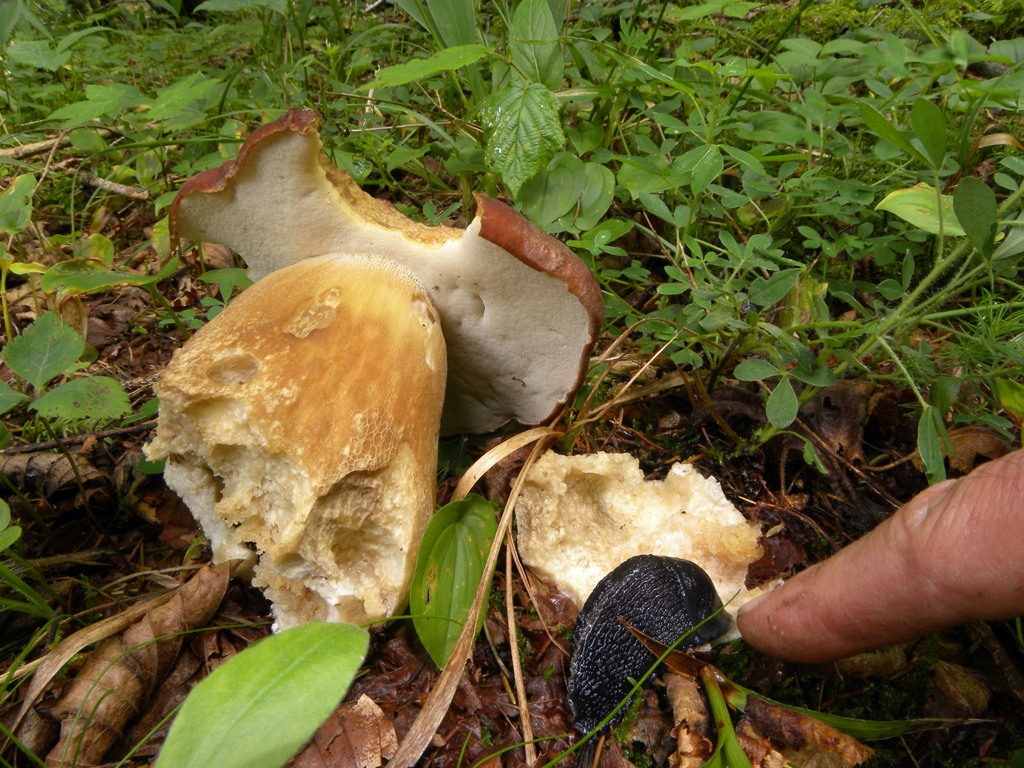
519	311
301	426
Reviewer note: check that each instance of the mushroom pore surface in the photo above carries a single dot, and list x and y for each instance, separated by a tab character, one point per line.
300	426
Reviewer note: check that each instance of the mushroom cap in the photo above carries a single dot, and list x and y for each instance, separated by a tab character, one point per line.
519	311
324	466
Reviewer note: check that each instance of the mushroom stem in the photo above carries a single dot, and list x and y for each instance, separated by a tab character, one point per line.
301	426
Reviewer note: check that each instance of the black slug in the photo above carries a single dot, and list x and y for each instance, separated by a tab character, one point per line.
664	597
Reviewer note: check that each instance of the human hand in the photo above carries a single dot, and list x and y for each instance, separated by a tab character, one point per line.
953	553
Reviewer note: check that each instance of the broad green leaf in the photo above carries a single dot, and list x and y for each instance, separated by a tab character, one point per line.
1011	397
9	397
769	292
534	43
86	275
16	205
38	54
598	193
974	203
173	99
782	405
878	125
449	567
257	709
97	398
930	128
445	60
753	369
704	163
919	205
100	101
554	191
44	350
525	133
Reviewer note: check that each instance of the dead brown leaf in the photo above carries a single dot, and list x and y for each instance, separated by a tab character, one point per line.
47	474
954	692
802	739
693	722
966	445
357	735
123	671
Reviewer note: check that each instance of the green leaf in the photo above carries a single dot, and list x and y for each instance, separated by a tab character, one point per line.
449	567
87	275
175	98
37	54
445	60
704	163
16	205
782	406
919	205
534	43
227	280
1010	395
236	6
9	397
97	398
930	128
44	351
525	133
554	191
257	709
882	128
100	101
974	203
930	434
753	369
598	193
767	293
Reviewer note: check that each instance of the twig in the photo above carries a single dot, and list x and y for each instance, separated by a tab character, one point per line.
46	145
49	445
132	192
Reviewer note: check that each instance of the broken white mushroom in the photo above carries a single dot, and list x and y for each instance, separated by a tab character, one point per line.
300	425
578	517
519	310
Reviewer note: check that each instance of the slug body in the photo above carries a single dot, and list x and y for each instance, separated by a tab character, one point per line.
663	597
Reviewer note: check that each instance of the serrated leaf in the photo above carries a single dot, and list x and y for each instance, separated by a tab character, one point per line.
974	203
257	709
919	206
525	133
446	60
534	43
449	567
44	350
16	204
930	128
173	99
97	398
782	405
755	370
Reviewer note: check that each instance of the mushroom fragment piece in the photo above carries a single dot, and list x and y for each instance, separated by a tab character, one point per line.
301	425
519	311
579	517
